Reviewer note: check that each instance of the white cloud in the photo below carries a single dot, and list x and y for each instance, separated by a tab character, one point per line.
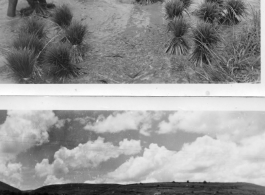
225	125
21	131
60	123
51	179
25	129
123	121
88	155
204	159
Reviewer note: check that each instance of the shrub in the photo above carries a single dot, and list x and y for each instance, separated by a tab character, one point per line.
22	63
34	26
174	8
62	16
178	44
209	12
186	3
234	10
147	1
28	41
219	2
58	58
206	38
76	33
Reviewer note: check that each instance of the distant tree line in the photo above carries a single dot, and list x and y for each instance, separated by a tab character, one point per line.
6	192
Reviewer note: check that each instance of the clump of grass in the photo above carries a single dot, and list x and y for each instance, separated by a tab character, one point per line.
186	3
179	43
34	26
39	7
62	16
76	34
219	2
174	9
209	12
28	41
21	62
234	10
58	58
206	38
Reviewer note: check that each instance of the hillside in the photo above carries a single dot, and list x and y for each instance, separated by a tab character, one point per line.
154	188
4	187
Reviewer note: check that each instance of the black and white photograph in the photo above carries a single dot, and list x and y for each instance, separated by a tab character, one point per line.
103	152
130	41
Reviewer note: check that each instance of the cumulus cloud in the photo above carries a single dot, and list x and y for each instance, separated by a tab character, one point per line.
123	121
21	131
88	155
225	125
25	129
51	179
204	159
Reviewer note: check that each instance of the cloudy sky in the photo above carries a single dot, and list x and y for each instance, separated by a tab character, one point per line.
51	147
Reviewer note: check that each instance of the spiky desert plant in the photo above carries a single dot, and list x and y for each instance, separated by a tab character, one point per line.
174	8
34	26
28	41
179	43
58	58
206	38
76	34
62	16
234	10
40	7
22	63
186	3
209	12
219	2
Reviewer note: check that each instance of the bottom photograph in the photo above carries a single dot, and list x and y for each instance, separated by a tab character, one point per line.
94	152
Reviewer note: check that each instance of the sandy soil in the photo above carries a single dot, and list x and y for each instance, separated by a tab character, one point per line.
127	42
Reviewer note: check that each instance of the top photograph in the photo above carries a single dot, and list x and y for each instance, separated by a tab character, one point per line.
130	41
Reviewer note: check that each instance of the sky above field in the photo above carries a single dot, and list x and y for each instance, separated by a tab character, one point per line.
52	147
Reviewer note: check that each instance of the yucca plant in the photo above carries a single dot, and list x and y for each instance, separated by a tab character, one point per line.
206	37
179	43
34	26
40	7
219	2
58	59
209	12
28	41
21	62
234	10
174	8
186	3
75	34
62	16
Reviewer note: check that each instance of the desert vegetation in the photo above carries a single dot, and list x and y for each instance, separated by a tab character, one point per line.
216	48
47	50
211	41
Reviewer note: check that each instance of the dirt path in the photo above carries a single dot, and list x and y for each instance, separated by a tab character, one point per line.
127	42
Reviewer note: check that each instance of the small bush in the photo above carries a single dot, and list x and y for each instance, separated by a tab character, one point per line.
62	16
174	9
22	63
34	26
209	12
179	43
206	38
234	10
219	2
76	33
28	41
186	3
58	58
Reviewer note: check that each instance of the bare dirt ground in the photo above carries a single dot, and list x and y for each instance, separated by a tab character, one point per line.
127	42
